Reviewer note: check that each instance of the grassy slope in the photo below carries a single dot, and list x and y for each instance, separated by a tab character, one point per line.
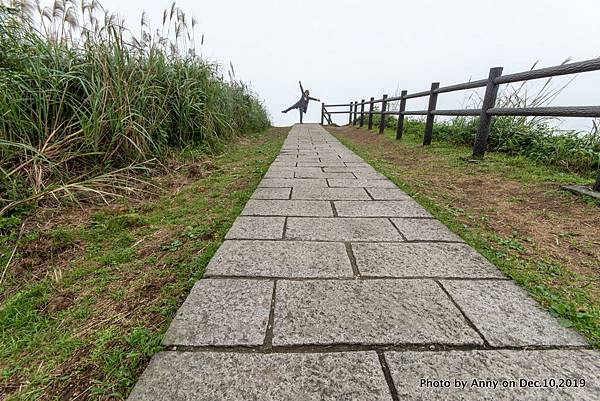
86	322
510	210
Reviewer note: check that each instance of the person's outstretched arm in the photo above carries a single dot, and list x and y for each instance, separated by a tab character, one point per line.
301	89
314	98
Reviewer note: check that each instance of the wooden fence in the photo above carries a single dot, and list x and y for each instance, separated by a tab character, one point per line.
487	111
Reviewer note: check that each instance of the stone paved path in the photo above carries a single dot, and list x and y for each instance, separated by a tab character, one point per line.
336	285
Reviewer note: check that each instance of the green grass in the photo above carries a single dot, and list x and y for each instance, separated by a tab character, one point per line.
513	166
572	297
129	272
531	138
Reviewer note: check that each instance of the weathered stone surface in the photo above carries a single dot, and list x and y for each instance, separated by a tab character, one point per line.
321	164
246	227
367	312
307	159
258	207
321	174
353	183
280	172
506	316
341	229
288	163
369	175
330	158
409	368
345	169
280	259
272	193
405	208
388	194
286	158
213	376
422	260
223	312
424	230
292	182
349	158
330	193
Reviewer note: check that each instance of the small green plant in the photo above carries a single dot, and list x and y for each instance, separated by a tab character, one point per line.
173	246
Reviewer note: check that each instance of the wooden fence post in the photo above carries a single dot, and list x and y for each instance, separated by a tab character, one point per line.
322	113
430	117
350	115
597	184
485	120
354	114
370	119
382	114
362	112
400	125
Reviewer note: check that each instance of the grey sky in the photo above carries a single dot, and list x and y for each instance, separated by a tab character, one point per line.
343	50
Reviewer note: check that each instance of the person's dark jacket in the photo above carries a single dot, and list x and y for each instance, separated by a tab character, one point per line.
303	102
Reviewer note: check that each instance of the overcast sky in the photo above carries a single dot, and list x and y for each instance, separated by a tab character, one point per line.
347	50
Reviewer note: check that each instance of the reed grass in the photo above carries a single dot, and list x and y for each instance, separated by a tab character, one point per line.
87	106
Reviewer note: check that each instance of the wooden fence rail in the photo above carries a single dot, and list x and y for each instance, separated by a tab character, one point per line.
487	111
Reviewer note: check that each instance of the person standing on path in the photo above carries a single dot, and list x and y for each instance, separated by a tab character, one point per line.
302	104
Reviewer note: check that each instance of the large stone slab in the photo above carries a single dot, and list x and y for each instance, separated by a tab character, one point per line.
369	175
422	260
280	172
256	207
280	259
320	174
223	312
211	376
341	229
287	158
353	183
424	230
330	193
288	163
405	208
536	375
246	227
345	169
272	193
388	194
308	159
322	164
350	158
367	312
292	182
507	316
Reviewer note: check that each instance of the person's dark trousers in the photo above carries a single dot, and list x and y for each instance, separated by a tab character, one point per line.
297	105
